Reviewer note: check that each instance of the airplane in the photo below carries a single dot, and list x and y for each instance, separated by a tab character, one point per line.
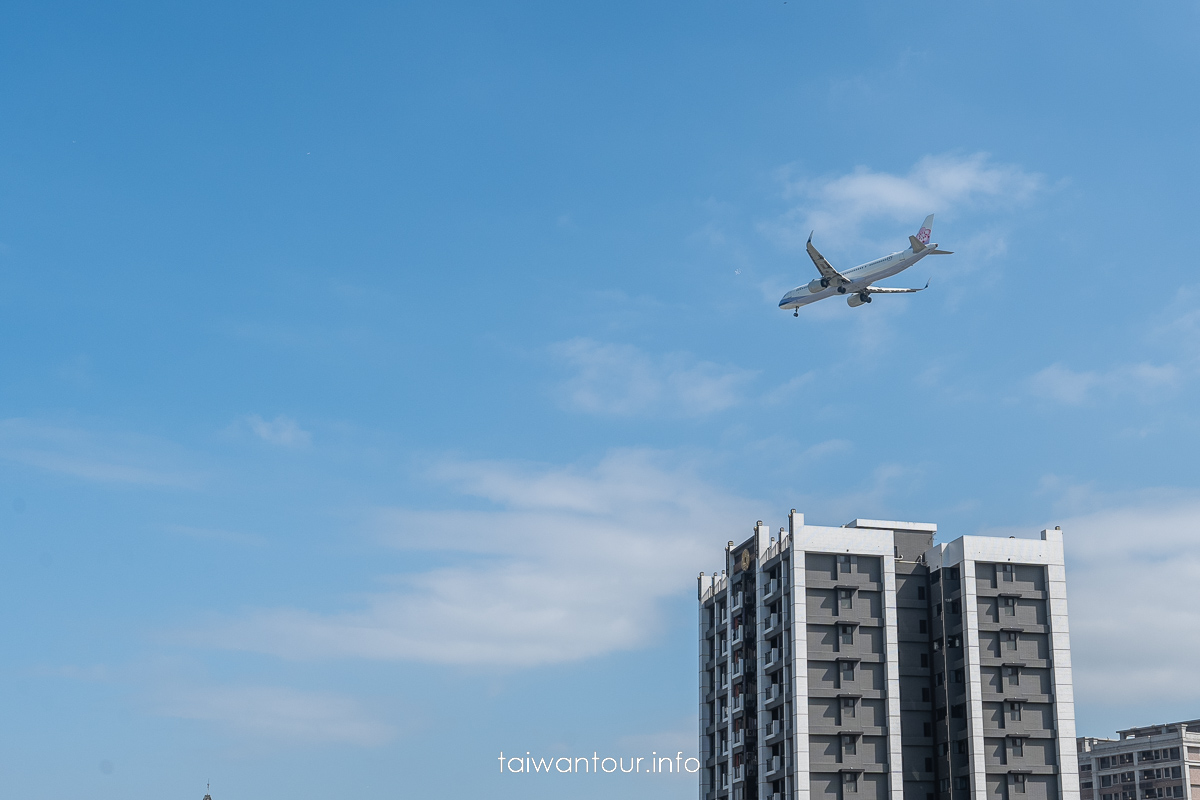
856	283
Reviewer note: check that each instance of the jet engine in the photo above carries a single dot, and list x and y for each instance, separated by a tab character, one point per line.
818	285
857	299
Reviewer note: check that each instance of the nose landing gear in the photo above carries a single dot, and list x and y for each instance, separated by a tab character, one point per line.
796	313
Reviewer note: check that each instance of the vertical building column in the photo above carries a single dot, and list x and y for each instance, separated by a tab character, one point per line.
1060	655
799	675
974	679
891	649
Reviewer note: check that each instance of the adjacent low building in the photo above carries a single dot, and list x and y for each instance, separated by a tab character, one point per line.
864	662
1150	763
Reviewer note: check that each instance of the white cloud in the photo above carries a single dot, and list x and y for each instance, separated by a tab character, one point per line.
621	380
1132	578
277	713
1064	385
839	206
283	431
103	458
571	564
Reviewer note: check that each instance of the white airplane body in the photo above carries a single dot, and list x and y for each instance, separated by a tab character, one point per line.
856	283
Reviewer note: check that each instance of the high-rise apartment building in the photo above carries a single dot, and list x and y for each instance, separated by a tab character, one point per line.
1156	761
867	663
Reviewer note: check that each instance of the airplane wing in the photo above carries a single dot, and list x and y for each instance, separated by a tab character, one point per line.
889	290
824	267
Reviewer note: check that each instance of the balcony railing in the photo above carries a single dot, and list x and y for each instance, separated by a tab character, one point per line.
737	601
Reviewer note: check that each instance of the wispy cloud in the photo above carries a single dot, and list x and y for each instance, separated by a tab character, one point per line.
282	431
102	458
277	713
621	380
1061	384
571	563
840	205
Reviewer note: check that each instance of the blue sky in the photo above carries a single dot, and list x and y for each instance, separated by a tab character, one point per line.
377	378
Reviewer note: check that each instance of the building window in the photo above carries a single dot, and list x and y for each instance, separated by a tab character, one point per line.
960	747
927	729
847	634
846	599
920	592
849	745
1174	753
1105	781
1010	639
952	574
1018	745
1014	675
1009	604
850	782
955	607
1019	784
924	694
922	626
958	676
958	711
1104	763
962	782
1085	785
924	659
1006	572
929	765
848	708
941	678
1014	712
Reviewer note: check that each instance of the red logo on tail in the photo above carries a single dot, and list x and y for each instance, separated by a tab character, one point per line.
923	236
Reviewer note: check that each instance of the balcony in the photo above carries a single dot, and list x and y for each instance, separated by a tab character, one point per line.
737	601
739	737
772	588
774	764
737	634
738	703
773	623
772	658
738	667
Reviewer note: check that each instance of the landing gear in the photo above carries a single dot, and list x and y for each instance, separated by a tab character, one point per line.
841	290
796	313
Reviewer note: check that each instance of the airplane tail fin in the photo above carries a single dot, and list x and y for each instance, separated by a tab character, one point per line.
926	230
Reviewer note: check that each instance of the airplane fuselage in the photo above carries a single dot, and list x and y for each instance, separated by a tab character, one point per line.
860	277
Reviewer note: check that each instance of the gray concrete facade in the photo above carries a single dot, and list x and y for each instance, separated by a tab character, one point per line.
863	662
